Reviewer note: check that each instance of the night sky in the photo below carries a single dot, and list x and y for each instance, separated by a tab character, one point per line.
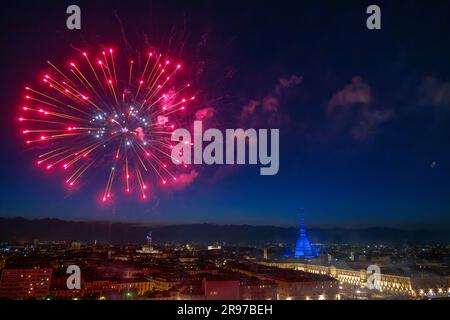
364	116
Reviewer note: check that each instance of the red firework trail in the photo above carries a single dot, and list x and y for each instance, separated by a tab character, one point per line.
104	114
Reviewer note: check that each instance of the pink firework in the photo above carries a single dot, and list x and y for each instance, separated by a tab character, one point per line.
104	114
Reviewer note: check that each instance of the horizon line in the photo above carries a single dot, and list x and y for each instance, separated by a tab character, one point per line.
222	224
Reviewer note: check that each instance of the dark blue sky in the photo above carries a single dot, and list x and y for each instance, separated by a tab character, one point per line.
364	136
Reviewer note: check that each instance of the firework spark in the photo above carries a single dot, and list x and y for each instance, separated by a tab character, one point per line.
103	114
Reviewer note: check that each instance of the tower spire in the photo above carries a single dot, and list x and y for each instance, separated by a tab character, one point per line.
303	248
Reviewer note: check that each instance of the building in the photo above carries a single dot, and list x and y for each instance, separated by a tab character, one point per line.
289	284
221	289
253	288
165	281
355	278
75	245
298	285
265	254
118	288
33	283
2	261
147	248
303	248
137	285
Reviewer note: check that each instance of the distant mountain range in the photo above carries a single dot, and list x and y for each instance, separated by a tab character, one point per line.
20	229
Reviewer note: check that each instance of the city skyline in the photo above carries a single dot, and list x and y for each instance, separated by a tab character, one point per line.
186	271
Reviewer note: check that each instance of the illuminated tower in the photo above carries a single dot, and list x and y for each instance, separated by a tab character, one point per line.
149	240
303	248
147	248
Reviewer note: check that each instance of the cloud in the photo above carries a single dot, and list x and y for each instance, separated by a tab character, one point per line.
140	134
185	179
249	108
356	92
434	92
351	110
284	83
162	120
205	113
270	103
169	98
223	171
369	121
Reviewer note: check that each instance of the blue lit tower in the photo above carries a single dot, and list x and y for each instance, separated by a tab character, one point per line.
303	248
149	240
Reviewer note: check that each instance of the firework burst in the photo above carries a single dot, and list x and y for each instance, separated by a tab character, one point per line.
100	114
